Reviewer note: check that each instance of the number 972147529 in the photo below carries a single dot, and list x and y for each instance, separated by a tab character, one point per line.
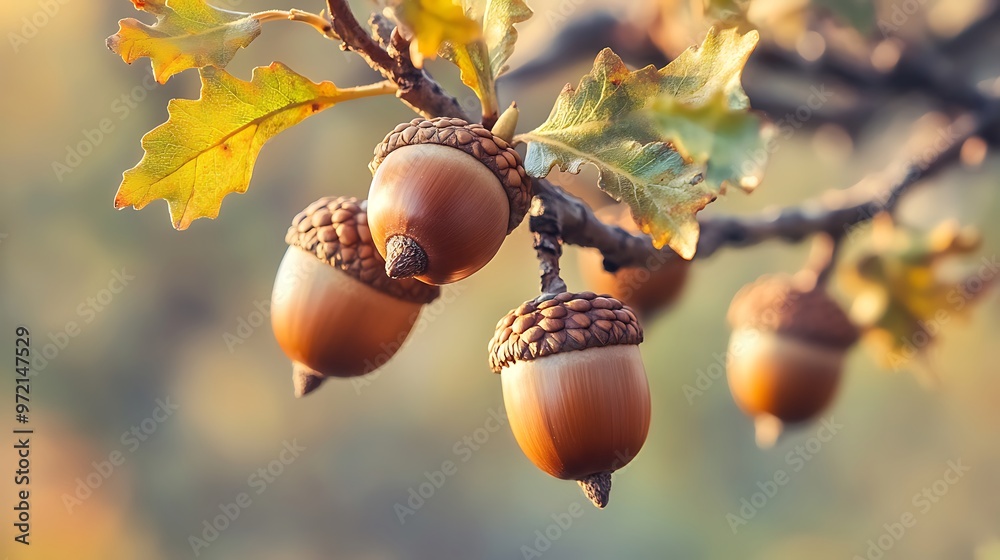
22	360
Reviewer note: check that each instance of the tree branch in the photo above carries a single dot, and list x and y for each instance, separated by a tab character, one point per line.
922	70
835	213
546	228
557	216
416	88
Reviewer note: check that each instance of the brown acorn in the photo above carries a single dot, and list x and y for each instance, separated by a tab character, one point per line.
444	195
786	352
647	290
574	386
333	310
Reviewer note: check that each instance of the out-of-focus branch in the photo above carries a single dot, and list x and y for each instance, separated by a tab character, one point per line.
834	213
585	37
918	69
986	27
821	262
416	88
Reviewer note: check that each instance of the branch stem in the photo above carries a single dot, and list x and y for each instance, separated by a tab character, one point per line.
415	87
834	213
545	225
821	262
317	21
557	217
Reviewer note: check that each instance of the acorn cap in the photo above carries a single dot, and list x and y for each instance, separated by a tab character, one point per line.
336	231
561	323
775	304
477	141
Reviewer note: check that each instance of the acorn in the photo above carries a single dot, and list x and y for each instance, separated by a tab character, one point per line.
333	310
574	386
649	289
444	195
786	352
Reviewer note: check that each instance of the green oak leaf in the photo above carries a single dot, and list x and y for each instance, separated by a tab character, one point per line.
666	141
187	34
731	143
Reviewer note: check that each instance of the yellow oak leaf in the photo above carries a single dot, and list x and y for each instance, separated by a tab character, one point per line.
208	146
483	60
187	34
904	293
433	22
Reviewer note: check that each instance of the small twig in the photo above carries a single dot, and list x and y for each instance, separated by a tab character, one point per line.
490	117
399	47
317	21
545	228
821	261
831	249
356	39
381	28
416	88
579	226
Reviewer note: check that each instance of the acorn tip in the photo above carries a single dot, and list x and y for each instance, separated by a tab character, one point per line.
597	488
305	380
767	430
405	258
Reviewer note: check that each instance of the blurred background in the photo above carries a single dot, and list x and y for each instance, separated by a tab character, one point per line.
168	394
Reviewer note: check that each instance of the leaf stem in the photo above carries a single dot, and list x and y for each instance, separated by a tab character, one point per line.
317	21
491	106
385	87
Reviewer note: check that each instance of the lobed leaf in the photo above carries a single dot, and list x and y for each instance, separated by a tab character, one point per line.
902	290
666	141
473	61
499	17
208	146
187	34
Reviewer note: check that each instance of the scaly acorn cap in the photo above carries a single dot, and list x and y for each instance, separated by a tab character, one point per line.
775	304
477	141
336	231
554	324
562	323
